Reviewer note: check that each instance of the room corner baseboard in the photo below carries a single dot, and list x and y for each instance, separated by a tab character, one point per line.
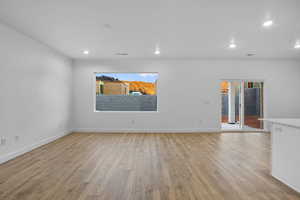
97	130
282	180
29	148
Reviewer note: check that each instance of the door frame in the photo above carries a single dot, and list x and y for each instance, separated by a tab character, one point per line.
242	103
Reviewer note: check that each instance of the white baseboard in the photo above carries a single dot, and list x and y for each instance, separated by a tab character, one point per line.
98	130
297	189
29	148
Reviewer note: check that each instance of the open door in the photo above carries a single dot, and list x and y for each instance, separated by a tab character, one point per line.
253	104
242	104
231	95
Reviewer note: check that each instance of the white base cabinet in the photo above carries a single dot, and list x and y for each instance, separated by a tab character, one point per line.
286	154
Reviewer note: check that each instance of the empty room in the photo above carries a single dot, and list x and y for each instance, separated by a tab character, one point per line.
149	100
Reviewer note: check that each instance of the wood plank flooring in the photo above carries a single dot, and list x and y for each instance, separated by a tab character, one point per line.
89	166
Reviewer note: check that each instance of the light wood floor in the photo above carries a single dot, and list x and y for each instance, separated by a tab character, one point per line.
229	166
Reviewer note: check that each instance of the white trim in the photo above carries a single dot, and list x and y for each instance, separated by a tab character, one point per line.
285	182
242	104
245	130
23	150
99	130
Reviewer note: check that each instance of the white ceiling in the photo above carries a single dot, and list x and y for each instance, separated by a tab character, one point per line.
181	28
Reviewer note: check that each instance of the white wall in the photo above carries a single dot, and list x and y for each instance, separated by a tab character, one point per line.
188	97
36	86
35	93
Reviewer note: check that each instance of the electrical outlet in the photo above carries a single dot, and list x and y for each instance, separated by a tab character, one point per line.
2	141
206	102
132	121
17	138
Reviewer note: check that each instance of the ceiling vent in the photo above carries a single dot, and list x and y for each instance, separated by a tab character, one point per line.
122	54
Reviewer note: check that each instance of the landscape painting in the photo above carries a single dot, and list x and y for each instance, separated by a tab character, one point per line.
126	91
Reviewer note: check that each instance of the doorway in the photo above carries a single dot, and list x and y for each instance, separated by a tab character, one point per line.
242	104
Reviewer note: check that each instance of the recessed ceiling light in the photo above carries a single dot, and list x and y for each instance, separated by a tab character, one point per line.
297	45
268	23
85	52
157	49
232	46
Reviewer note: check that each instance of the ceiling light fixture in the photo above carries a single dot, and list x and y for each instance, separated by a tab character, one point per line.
232	45
157	52
297	45
267	23
85	52
157	49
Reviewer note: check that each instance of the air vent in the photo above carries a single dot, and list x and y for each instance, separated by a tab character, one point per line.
250	54
107	26
122	54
